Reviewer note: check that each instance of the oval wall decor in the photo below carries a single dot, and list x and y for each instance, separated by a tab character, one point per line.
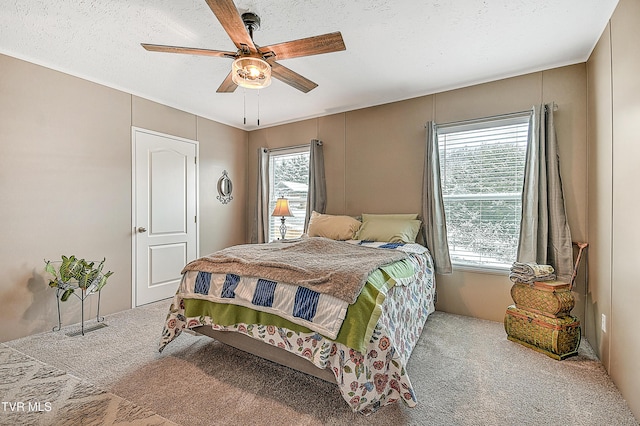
225	187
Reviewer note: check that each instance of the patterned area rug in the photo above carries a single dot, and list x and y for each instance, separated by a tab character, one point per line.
35	393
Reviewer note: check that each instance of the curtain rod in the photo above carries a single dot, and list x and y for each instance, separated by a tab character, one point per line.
284	148
493	117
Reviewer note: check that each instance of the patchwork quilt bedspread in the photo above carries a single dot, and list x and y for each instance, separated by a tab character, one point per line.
370	369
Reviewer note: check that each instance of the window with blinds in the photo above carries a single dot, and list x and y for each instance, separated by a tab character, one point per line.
482	172
289	178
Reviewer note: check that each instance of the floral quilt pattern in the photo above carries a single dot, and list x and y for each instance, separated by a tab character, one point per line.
368	380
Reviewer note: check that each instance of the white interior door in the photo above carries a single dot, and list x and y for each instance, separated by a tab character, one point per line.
164	217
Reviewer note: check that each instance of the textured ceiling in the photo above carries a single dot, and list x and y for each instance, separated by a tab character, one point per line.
396	49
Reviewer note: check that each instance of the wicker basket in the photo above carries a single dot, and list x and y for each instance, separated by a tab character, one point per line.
557	338
549	298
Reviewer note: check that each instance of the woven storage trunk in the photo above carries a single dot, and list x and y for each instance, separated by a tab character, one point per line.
550	298
558	338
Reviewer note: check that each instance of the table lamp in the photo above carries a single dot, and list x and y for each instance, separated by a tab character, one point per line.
282	210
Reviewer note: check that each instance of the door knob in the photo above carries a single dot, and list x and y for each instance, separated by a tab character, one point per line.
142	229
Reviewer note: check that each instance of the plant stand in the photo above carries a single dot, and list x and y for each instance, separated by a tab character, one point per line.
62	287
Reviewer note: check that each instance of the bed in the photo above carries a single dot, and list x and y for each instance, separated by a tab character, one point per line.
349	311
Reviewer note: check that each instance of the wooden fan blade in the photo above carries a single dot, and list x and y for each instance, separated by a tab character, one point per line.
227	86
316	45
292	78
231	21
188	50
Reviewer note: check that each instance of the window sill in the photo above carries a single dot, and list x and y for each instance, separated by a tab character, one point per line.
482	269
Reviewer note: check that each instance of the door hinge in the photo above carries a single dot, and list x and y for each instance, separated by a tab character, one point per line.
195	160
195	219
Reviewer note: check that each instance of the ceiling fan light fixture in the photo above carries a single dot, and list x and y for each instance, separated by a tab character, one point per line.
251	73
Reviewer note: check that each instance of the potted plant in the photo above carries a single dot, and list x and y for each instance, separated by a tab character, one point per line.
72	273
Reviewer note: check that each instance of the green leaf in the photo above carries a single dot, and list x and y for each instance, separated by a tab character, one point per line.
102	280
100	265
86	277
63	269
48	267
70	268
68	292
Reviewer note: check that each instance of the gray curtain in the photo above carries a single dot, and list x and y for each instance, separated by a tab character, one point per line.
317	196
434	224
260	228
545	237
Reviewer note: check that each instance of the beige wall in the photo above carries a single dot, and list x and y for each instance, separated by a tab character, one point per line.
600	193
374	161
65	186
614	200
222	148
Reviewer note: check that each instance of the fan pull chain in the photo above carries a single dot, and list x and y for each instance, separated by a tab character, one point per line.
244	105
258	108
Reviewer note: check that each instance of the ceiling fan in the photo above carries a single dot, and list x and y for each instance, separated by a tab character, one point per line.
254	65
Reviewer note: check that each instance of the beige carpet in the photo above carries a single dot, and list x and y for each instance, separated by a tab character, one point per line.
464	370
35	393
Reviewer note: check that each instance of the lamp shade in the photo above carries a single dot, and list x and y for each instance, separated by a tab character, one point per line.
252	73
282	208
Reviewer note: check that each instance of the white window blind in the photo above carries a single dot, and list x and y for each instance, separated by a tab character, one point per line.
289	178
482	171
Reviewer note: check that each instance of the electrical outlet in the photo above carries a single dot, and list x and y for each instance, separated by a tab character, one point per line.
603	323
